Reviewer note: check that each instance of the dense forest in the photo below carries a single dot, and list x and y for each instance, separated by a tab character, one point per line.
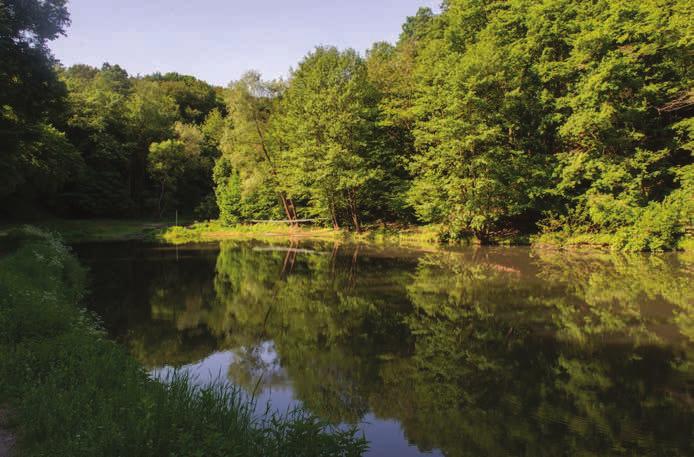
488	118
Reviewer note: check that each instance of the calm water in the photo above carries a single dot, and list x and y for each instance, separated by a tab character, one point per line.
502	351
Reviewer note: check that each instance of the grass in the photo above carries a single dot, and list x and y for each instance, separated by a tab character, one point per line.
427	236
595	240
80	230
73	392
578	240
424	236
215	231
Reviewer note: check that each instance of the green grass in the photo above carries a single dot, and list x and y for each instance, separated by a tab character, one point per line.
73	392
79	230
215	231
597	240
578	240
425	236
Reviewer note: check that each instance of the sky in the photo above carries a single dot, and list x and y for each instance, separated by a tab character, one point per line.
218	40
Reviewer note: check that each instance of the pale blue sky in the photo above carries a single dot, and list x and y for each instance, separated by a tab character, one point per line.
217	40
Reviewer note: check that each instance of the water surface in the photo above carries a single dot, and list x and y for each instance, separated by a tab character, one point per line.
481	351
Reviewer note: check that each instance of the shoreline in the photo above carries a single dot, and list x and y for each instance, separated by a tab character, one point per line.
424	236
411	237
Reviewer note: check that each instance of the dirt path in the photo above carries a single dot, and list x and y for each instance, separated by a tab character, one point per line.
7	438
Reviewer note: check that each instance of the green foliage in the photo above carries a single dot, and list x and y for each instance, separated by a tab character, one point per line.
524	108
114	119
167	162
228	192
325	129
660	225
491	119
246	174
180	168
194	98
237	202
32	101
74	393
97	120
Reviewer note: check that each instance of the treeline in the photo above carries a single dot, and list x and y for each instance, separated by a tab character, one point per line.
88	142
488	118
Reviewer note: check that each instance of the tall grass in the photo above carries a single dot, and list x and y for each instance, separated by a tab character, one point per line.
72	392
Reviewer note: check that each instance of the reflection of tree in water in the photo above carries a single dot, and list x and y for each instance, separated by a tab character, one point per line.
323	325
623	294
154	300
491	378
483	352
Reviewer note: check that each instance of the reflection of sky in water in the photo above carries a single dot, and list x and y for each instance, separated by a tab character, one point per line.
385	437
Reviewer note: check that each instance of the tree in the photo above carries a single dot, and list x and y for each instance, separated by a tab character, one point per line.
479	158
552	110
151	116
31	98
325	127
97	124
246	144
177	166
166	164
621	151
194	98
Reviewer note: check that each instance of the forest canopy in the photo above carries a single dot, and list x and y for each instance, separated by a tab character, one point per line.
487	118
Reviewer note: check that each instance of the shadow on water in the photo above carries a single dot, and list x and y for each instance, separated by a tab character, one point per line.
483	351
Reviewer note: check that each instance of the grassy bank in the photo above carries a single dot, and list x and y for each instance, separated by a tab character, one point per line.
426	236
80	230
72	392
611	241
429	236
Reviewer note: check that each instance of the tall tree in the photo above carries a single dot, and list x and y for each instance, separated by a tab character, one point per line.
97	124
151	116
32	98
325	126
479	160
246	144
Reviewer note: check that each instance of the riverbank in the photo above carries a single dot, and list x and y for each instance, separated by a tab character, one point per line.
82	230
215	231
604	241
427	236
73	392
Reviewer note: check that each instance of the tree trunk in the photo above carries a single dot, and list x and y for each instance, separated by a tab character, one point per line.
352	198
355	220
287	211
333	216
292	209
483	236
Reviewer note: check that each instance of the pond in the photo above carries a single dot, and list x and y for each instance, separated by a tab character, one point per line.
477	351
